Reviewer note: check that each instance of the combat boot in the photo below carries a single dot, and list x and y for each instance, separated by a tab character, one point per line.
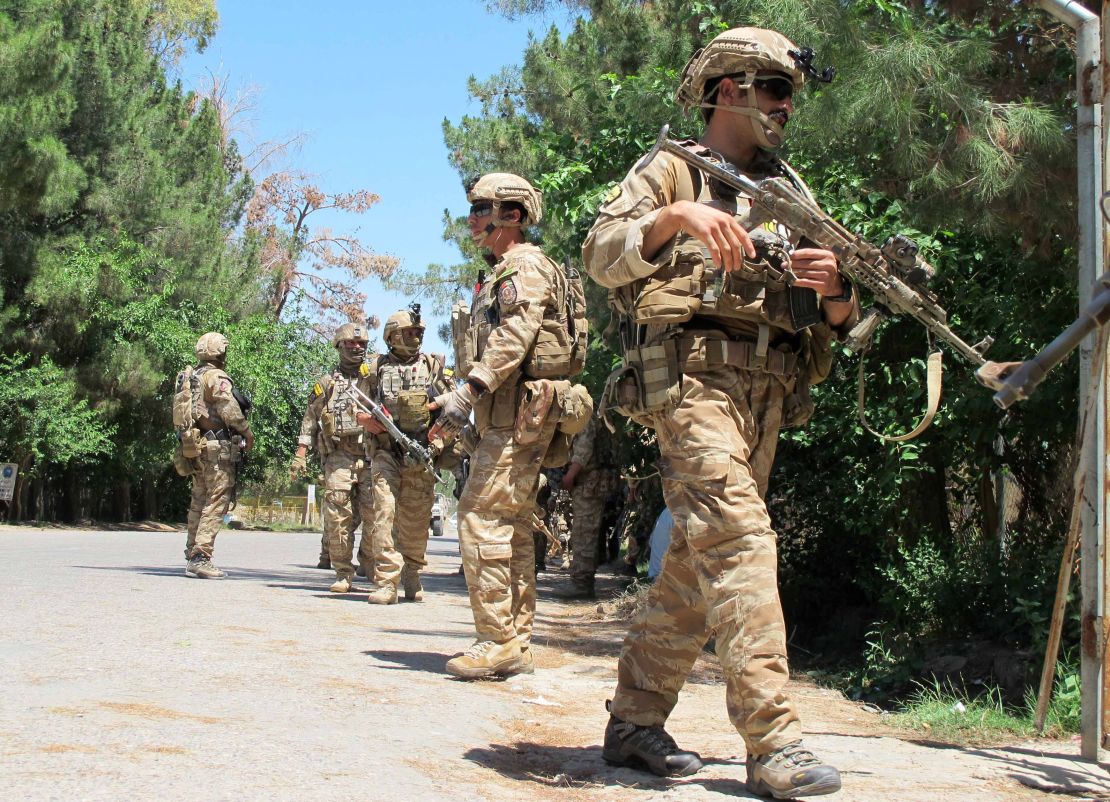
486	659
201	567
790	772
527	663
580	588
383	594
651	748
325	562
342	584
410	581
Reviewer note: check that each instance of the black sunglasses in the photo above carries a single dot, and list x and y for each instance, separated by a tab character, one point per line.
778	88
481	208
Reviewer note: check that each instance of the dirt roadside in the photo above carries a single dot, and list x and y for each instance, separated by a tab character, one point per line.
124	679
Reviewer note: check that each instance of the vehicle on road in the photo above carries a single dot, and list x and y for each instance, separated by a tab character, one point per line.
439	512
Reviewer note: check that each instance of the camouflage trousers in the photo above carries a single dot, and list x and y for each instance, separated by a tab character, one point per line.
402	499
588	506
495	533
212	486
719	575
347	487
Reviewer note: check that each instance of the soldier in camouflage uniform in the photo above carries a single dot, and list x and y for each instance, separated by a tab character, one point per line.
329	426
219	419
401	381
589	479
513	353
708	328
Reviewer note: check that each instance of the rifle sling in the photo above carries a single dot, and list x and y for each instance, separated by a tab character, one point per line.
933	381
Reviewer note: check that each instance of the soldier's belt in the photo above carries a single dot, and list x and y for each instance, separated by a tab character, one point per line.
697	354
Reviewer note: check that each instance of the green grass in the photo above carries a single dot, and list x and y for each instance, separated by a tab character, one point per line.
953	715
956	716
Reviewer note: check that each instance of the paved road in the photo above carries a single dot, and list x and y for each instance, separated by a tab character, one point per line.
125	680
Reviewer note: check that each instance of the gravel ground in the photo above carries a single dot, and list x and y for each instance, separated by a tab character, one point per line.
124	679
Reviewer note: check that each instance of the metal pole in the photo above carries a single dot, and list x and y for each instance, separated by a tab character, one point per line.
1089	95
1103	247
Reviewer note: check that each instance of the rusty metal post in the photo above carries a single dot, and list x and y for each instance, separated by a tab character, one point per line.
1089	150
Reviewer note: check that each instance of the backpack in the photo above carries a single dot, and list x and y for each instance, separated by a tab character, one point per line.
578	326
188	407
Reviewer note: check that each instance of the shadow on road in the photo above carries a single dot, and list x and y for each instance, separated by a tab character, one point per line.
573	766
428	662
1054	772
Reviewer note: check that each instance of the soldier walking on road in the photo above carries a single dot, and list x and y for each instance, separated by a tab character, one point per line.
403	382
516	352
212	428
589	479
720	374
329	426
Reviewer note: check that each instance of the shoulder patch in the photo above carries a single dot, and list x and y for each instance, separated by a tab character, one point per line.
612	194
317	391
363	370
448	372
506	293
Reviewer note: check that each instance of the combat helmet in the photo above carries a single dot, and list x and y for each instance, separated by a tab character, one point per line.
350	340
501	188
350	331
742	54
397	322
211	347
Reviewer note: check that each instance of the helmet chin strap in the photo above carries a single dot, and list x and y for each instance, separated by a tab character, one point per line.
495	223
768	133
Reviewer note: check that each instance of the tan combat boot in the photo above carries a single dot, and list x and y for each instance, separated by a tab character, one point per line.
790	772
410	581
201	567
342	584
486	659
383	594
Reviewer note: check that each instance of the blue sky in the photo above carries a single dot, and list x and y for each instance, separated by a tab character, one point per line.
370	83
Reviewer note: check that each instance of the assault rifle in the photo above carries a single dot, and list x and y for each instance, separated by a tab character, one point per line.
413	450
894	273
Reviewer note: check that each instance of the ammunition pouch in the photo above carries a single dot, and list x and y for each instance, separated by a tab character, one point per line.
185	466
558	452
648	383
498	410
460	337
192	442
575	408
411	411
536	402
688	284
550	355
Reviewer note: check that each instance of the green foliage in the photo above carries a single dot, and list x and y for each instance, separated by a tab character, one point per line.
120	200
42	419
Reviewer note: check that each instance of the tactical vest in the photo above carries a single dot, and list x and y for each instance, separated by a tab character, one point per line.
403	389
559	350
688	283
337	419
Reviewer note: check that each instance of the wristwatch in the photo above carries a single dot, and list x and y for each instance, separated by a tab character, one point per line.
846	294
